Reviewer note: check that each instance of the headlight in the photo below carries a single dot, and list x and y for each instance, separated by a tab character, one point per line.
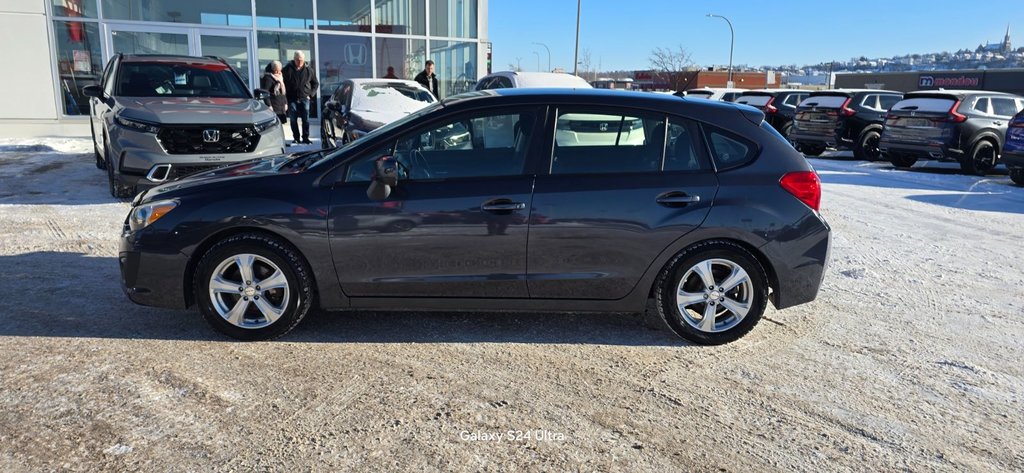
265	125
144	215
137	125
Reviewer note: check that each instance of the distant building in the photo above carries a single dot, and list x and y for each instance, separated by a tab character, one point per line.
609	83
686	80
1004	48
998	80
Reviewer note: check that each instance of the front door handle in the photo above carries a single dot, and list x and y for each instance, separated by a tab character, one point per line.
502	205
677	199
997	123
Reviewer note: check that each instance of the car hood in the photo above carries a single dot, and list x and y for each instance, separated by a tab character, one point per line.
232	174
194	110
372	119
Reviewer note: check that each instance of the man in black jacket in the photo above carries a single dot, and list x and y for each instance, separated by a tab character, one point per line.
428	79
300	85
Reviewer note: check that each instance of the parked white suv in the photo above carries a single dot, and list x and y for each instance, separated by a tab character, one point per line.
711	93
513	79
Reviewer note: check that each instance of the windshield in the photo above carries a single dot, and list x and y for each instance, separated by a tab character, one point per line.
379	131
393	96
179	79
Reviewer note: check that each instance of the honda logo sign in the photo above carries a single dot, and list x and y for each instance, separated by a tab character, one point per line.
355	54
211	136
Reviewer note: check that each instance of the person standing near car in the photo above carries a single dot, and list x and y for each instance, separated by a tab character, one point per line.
300	84
428	79
273	82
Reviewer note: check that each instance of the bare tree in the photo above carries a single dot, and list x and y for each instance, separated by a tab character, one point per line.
668	65
585	63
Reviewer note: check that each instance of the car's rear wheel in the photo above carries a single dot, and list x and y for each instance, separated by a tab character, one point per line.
117	189
712	293
812	150
253	287
902	160
1017	176
866	148
981	159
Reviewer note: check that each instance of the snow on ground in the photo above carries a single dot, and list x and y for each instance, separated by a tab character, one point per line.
910	359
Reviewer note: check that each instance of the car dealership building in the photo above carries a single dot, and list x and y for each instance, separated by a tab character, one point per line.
57	47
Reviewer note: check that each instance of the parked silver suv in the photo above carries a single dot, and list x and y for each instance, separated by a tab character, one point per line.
159	118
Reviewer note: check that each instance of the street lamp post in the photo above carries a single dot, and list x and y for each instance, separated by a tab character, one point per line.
549	54
538	60
732	43
576	57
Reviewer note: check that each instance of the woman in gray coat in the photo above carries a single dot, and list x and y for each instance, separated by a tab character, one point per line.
273	82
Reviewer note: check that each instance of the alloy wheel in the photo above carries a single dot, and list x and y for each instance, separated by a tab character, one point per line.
249	291
714	295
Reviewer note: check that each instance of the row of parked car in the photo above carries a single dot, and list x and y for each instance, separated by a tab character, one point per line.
976	128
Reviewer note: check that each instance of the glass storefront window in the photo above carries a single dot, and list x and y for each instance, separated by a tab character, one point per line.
74	8
352	15
453	18
220	12
141	42
78	62
455	66
402	16
343	57
297	14
405	56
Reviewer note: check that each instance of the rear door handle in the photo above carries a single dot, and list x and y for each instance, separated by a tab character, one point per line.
502	205
677	199
997	123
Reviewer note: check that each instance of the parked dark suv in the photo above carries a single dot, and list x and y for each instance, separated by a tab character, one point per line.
778	105
843	119
1013	149
967	126
158	118
510	199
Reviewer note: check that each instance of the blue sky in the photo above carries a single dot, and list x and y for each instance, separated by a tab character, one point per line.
622	33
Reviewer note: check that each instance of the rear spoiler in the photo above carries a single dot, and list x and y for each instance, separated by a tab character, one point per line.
756	116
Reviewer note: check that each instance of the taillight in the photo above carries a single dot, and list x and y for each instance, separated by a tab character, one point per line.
954	116
769	108
804	185
1017	123
845	110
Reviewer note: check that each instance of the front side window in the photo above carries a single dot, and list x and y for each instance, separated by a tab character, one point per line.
601	143
167	79
476	145
680	152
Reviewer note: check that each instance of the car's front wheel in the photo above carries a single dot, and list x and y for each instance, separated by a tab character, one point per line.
1017	176
253	287
712	293
902	160
117	189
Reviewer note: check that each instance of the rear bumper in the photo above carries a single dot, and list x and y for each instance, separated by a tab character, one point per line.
929	150
149	277
800	263
813	138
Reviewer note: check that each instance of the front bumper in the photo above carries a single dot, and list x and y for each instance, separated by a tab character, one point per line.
150	276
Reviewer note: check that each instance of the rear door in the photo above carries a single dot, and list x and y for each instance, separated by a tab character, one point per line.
921	120
819	114
612	198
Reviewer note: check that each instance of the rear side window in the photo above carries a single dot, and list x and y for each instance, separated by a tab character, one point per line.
601	143
886	102
728	149
824	101
1004	107
681	152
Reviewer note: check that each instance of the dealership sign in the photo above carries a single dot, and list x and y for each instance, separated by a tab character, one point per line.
950	81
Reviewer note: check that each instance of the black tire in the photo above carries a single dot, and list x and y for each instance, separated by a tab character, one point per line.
812	150
1017	176
666	287
327	138
902	161
866	148
982	158
787	131
100	162
117	189
292	265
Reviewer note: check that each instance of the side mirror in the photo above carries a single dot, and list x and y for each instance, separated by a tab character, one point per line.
385	176
260	94
93	91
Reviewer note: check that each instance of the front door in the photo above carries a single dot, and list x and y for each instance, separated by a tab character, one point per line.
456	224
615	197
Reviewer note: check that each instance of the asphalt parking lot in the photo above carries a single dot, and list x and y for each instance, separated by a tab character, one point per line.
908	360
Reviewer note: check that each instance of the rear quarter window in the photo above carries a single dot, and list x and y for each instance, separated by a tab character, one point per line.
728	149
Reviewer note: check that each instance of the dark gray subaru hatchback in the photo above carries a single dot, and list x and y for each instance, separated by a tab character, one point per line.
528	200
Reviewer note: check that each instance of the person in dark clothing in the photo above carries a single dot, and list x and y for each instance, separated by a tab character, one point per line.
391	73
427	78
300	84
273	82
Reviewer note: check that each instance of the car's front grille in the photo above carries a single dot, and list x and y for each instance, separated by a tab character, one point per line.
178	171
217	139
